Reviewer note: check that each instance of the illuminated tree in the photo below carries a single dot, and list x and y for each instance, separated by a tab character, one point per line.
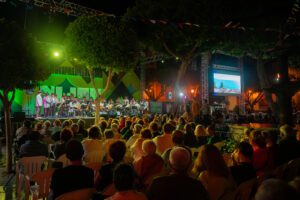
22	67
252	98
102	42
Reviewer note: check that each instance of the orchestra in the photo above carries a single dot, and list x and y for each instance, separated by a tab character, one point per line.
71	106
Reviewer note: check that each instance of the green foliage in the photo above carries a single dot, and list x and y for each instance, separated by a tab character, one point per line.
229	146
100	41
209	15
21	59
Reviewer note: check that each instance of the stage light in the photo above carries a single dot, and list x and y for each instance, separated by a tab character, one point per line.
181	94
56	54
192	91
162	61
177	58
75	59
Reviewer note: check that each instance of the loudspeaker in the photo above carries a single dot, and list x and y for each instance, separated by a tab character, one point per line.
19	116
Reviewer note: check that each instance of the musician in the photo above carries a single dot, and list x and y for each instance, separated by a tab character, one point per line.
54	102
38	103
84	106
62	104
126	100
47	104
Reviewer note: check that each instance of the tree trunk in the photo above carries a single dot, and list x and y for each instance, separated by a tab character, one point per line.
98	96
181	72
8	131
264	84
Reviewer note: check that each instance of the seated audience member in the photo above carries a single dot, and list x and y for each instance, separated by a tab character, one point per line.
82	130
60	148
126	132
288	146
181	124
212	137
56	129
124	183
178	185
275	189
46	128
115	129
76	135
260	153
103	125
117	152
163	142
109	139
216	176
22	133
73	177
38	126
272	148
136	148
122	122
136	135
178	141
148	165
200	134
242	169
33	146
154	129
189	137
93	144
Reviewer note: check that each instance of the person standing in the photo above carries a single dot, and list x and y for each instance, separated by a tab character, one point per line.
46	103
38	103
54	102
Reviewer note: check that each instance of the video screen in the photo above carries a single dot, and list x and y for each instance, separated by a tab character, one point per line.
227	84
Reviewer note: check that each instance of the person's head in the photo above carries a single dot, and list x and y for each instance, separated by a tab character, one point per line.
137	128
243	152
270	136
115	127
75	128
179	160
56	123
211	159
178	137
65	135
74	150
199	131
153	126
27	124
168	128
103	125
117	151
210	130
141	122
123	177
81	124
34	136
287	131
128	123
188	128
47	124
149	147
275	189
38	126
146	133
108	134
66	124
256	139
94	133
181	121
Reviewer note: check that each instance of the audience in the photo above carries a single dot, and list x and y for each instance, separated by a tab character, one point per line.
60	147
136	135
73	177
93	145
178	185
163	142
33	146
136	149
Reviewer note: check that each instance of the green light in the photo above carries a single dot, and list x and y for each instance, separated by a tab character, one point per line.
56	54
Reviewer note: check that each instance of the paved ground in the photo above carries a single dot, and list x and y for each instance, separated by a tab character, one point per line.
7	181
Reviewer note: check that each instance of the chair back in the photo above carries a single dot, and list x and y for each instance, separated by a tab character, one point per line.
43	180
65	161
31	165
94	157
83	194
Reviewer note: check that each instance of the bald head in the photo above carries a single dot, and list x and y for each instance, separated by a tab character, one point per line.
149	147
179	159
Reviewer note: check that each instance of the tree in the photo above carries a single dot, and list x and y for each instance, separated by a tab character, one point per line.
266	37
252	98
102	42
21	60
171	35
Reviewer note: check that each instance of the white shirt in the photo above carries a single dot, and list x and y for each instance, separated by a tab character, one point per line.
47	101
39	100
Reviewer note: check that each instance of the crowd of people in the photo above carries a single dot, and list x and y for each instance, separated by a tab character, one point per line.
165	157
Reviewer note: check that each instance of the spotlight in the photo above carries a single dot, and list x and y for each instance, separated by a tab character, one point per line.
192	91
56	54
162	61
181	94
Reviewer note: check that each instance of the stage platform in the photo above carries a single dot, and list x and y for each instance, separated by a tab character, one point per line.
89	121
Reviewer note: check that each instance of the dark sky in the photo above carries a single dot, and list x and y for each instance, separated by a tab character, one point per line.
50	27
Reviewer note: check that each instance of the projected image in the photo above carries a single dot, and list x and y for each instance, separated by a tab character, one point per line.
227	84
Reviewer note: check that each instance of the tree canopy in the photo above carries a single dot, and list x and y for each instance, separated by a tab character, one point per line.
100	41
